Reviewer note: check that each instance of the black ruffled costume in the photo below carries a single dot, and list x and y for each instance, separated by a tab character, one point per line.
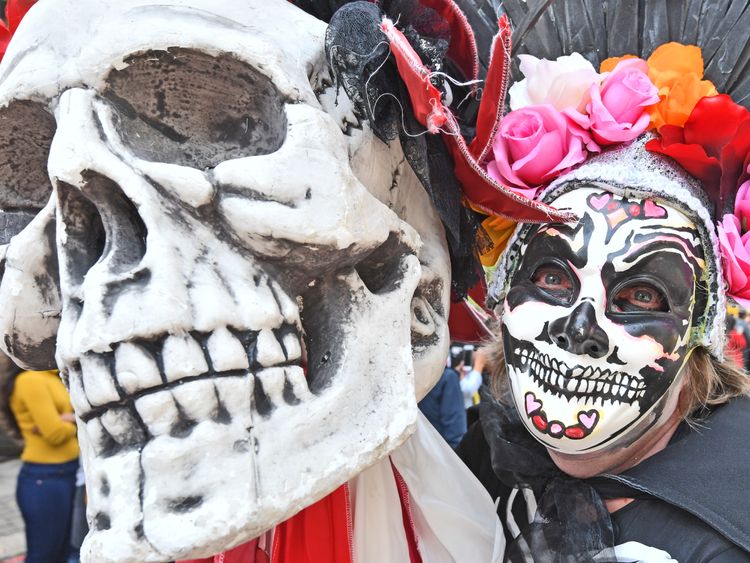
691	499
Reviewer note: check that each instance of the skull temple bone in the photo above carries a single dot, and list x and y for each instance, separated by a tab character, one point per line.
245	290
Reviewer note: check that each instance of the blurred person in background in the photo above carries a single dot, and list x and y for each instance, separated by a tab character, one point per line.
471	379
745	329
444	405
736	342
41	408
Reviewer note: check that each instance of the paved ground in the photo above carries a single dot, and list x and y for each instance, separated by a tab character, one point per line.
12	540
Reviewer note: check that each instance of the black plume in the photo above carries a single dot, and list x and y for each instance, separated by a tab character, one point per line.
599	29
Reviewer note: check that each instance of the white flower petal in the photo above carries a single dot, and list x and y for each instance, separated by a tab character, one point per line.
519	96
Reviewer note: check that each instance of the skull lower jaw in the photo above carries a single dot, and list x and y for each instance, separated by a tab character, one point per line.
231	473
570	407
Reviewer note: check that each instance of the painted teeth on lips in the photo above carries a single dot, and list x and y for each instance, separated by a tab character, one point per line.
579	382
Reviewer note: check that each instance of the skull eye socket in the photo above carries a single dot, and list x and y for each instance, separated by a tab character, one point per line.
639	296
554	280
186	107
26	131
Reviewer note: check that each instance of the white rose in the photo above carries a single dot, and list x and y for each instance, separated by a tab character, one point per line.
564	83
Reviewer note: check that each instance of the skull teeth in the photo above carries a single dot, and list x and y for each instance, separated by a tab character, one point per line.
176	410
158	411
100	390
226	351
182	357
157	387
578	382
197	400
135	368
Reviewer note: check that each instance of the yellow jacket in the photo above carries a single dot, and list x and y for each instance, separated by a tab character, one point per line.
37	401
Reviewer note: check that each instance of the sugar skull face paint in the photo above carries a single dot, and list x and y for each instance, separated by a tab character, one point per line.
597	319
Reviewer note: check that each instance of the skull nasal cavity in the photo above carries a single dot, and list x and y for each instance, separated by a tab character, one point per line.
101	224
579	333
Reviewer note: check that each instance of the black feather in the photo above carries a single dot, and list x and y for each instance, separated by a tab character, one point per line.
599	29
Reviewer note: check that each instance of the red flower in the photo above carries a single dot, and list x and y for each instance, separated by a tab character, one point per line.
15	10
713	146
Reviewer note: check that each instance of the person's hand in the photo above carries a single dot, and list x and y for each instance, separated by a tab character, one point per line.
68	417
634	551
480	359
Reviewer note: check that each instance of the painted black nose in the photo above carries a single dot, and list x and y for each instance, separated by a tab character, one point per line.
578	333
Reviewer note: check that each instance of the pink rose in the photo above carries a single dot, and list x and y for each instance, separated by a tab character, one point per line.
735	259
534	145
617	110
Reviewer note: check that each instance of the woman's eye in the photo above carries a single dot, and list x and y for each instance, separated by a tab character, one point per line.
553	279
640	297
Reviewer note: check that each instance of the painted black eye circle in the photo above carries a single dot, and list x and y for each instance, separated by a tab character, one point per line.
554	280
638	297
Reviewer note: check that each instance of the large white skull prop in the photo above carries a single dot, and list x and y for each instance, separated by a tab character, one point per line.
213	199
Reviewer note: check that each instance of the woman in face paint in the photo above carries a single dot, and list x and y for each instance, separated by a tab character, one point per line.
596	329
599	360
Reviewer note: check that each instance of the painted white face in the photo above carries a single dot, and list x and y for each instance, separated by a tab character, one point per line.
598	317
245	289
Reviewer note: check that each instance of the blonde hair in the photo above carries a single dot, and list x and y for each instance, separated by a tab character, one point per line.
708	381
711	382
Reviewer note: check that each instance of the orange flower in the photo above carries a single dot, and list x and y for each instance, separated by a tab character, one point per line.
608	65
677	102
677	71
499	230
672	60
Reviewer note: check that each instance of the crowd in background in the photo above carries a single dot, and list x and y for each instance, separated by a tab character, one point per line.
738	337
445	406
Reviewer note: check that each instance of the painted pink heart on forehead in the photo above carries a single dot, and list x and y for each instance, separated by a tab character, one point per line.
599	201
653	210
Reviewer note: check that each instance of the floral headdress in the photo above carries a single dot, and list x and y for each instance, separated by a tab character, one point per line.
569	122
412	67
